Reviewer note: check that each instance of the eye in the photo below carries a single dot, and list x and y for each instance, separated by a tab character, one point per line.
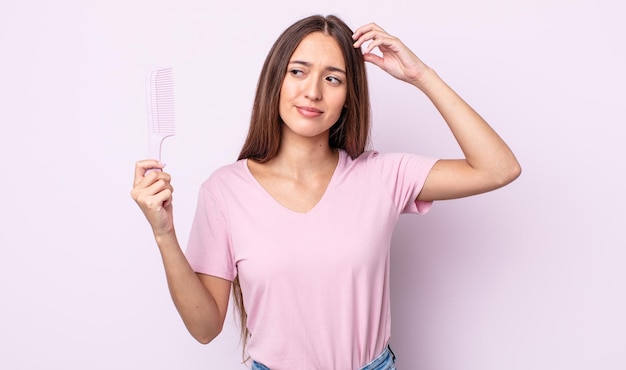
296	72
333	80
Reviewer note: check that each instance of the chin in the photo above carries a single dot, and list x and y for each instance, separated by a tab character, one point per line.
306	132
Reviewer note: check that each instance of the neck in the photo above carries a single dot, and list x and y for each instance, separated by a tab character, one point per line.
305	157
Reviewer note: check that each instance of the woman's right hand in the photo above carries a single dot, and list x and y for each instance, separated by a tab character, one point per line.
201	300
152	191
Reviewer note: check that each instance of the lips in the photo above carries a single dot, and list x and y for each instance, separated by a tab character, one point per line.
309	112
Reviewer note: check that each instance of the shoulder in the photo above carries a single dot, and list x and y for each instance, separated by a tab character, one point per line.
227	176
378	159
409	166
363	158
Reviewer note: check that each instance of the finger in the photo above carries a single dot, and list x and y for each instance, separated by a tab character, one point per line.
168	203
365	29
365	37
377	42
142	166
384	43
165	198
159	186
376	39
151	184
374	59
369	35
155	202
153	195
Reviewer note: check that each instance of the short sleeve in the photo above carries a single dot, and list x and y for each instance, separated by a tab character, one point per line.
209	249
404	174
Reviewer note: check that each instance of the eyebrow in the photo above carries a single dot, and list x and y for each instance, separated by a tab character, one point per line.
308	64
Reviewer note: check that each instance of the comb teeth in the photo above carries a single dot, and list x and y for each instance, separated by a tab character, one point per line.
162	101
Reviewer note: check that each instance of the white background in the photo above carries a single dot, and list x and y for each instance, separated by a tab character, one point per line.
528	277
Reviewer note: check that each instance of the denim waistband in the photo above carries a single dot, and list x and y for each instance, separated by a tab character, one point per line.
384	361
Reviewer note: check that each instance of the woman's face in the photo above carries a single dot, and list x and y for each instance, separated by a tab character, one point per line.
313	92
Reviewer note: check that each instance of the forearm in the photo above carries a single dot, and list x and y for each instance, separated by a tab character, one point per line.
196	306
483	149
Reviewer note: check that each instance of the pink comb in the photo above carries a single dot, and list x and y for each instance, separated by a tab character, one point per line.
160	102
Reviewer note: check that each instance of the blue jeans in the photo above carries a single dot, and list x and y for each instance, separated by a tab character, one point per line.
384	361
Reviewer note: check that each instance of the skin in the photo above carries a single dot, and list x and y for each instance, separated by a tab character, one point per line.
488	163
312	97
298	176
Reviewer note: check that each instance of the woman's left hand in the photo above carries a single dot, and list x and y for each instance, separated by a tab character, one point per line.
397	60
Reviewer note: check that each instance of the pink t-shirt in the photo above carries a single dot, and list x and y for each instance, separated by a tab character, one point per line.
315	285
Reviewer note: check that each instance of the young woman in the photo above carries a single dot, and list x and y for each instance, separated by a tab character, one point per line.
300	226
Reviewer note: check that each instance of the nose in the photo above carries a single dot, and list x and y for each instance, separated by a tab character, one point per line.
313	89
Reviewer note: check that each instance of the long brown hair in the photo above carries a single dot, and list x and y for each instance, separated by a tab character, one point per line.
350	132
